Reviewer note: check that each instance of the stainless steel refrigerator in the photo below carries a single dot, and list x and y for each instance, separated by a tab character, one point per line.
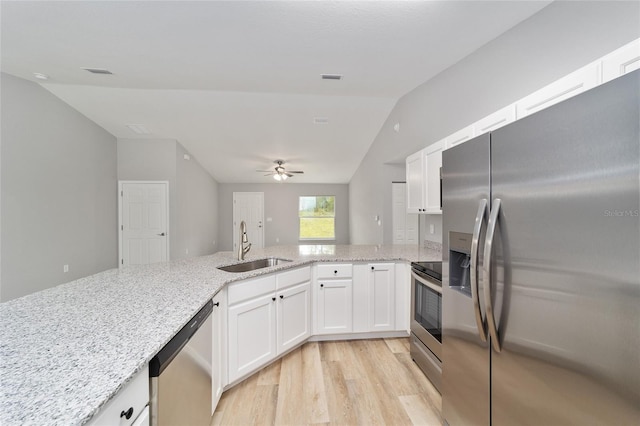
541	267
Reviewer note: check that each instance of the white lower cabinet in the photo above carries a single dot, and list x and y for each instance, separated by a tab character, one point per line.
293	316
382	292
130	406
218	352
374	304
333	298
266	317
334	306
252	335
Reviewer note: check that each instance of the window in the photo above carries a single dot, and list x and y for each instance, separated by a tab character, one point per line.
317	217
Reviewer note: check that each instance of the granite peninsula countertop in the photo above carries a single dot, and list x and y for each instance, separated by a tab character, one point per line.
67	351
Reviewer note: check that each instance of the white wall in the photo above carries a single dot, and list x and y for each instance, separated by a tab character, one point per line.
281	205
556	41
192	191
59	191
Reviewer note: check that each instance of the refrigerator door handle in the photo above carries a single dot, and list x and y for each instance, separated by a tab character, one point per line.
486	266
475	294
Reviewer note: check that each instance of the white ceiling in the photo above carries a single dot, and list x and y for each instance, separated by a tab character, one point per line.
237	83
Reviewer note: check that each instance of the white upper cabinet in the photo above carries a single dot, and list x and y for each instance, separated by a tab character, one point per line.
495	121
433	162
459	137
423	179
577	82
415	183
621	61
615	64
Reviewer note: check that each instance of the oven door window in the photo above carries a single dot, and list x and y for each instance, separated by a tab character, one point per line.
428	310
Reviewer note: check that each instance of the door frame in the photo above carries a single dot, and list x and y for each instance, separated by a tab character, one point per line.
120	226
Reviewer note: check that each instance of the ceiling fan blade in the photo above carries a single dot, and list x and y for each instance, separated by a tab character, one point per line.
295	171
265	171
288	174
270	174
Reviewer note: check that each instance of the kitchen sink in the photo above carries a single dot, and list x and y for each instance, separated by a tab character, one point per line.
253	264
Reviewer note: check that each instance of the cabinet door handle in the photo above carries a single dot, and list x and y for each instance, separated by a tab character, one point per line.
216	304
335	272
281	296
273	298
321	285
127	414
372	268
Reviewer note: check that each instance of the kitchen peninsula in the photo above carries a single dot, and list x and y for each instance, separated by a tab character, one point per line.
67	351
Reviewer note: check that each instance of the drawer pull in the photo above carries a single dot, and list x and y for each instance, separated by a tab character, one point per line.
335	272
321	285
127	414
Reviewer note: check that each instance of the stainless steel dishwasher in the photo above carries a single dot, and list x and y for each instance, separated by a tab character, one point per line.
180	375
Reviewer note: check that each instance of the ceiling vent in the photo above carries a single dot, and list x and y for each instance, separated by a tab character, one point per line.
98	70
138	129
331	76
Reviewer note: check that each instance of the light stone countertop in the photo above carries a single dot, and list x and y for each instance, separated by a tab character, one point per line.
66	351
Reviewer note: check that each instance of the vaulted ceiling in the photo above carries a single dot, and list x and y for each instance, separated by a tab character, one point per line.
238	83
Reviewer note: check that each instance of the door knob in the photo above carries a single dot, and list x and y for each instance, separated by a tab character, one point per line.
161	235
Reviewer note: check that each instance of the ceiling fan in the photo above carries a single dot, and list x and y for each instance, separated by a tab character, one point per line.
279	173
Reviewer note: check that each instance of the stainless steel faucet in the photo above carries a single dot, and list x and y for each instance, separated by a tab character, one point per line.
242	250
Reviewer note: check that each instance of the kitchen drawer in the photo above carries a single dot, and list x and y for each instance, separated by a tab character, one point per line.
249	289
131	400
293	277
335	270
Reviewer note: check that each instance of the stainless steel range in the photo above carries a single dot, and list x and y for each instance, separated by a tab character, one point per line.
426	318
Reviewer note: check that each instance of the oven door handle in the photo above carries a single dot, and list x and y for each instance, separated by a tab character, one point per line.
475	293
432	286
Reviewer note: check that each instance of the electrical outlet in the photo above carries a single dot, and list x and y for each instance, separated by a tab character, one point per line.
65	268
432	228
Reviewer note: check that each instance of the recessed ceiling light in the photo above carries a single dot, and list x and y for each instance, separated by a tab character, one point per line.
98	70
138	129
40	76
320	120
331	76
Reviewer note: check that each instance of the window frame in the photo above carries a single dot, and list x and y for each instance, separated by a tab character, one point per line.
300	238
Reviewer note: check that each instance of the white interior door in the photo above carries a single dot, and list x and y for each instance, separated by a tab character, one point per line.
249	206
405	225
144	222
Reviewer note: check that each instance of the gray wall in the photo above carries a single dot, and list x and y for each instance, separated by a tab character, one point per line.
197	208
281	205
556	41
59	203
192	191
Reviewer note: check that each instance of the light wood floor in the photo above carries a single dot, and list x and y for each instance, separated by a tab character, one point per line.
358	382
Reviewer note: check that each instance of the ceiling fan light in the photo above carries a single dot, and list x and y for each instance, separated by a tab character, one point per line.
277	177
284	176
